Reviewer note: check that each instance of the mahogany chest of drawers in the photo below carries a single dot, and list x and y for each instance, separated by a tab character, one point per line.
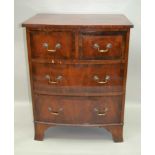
78	70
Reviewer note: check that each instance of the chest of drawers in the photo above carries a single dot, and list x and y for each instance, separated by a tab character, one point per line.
78	70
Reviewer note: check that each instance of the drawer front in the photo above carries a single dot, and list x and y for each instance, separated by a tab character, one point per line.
77	110
102	46
54	45
77	78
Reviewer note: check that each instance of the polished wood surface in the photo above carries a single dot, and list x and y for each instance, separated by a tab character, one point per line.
103	20
78	110
76	77
65	39
102	39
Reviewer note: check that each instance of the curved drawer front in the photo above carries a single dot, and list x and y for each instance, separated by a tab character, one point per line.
77	110
102	46
77	78
51	44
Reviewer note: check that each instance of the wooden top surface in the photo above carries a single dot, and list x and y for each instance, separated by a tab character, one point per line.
103	20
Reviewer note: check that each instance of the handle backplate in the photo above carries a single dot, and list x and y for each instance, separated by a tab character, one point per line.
97	46
57	46
97	79
52	112
57	79
103	113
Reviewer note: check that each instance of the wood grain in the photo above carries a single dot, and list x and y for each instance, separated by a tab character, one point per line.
77	78
78	110
73	100
103	20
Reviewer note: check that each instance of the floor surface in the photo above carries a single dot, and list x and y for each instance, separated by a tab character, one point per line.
75	140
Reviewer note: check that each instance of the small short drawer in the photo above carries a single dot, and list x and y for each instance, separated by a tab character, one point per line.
46	45
77	78
102	46
78	110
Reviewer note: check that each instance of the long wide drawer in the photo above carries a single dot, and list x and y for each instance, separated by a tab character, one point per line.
77	78
77	110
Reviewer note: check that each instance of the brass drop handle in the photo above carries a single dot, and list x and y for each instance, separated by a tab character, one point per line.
57	79
54	112
97	46
57	46
97	79
101	113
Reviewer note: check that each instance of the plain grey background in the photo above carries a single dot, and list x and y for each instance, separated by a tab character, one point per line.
71	140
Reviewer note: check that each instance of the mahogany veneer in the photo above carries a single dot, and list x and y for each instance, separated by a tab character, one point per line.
78	70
